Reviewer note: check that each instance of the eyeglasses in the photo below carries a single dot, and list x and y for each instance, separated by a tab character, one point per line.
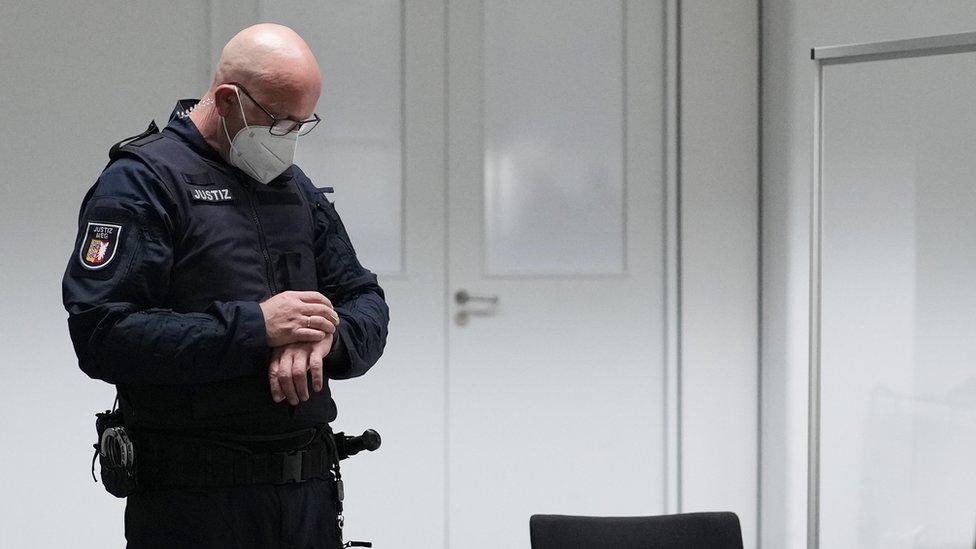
283	126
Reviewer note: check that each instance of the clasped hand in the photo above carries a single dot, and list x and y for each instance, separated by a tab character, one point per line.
301	328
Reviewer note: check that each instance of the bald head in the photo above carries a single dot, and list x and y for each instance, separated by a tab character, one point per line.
279	70
270	59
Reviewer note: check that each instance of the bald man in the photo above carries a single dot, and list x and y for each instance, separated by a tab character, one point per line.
216	287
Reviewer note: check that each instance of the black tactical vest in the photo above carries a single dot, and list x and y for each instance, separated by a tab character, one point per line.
233	239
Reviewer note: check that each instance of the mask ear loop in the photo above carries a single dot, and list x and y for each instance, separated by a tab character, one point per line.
295	147
224	120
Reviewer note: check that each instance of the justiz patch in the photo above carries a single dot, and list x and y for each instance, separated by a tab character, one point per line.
99	245
211	195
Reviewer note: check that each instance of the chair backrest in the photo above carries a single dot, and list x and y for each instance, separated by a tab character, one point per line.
685	531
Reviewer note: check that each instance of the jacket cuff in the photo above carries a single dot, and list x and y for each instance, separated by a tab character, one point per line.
337	361
252	334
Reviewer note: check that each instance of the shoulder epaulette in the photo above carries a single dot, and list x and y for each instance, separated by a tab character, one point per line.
151	134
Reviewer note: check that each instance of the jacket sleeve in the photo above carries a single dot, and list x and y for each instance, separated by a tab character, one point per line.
115	289
359	300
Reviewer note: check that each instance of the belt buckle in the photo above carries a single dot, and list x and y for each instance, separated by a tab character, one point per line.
291	467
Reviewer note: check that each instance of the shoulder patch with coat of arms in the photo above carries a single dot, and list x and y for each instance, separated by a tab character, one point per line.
99	245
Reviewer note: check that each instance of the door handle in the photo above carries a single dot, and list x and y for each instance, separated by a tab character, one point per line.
463	297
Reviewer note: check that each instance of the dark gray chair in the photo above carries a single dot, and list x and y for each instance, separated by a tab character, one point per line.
685	531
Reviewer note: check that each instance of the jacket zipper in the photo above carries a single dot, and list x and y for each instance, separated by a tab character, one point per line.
269	269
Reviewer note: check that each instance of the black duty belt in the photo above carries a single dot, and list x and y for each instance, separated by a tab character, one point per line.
168	461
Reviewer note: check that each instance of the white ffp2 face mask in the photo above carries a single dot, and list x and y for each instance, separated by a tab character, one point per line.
257	152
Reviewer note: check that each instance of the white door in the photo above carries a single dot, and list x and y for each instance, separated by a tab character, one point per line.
530	132
556	258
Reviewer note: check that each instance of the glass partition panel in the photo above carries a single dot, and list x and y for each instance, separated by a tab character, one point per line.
898	348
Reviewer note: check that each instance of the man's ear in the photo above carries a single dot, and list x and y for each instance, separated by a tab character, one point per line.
225	100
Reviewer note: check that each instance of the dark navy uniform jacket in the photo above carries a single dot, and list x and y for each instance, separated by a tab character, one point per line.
175	249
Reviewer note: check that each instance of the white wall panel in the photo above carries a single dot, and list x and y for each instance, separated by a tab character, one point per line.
76	79
358	147
719	252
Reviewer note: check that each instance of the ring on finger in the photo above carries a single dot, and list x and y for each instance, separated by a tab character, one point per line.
308	322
